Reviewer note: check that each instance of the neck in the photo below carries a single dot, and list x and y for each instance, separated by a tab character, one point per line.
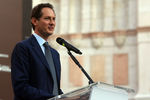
45	37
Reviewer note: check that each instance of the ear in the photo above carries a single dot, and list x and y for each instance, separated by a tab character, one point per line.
34	21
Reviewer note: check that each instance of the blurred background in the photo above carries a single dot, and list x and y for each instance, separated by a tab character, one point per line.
113	35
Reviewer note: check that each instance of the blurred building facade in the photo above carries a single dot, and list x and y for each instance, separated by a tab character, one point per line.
114	36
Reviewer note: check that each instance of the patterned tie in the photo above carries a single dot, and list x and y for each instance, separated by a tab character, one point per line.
50	61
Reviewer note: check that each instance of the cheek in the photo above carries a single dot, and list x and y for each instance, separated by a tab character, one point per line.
43	25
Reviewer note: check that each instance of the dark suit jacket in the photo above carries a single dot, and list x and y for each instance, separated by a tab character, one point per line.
30	72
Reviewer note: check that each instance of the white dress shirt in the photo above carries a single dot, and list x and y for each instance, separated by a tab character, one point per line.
41	41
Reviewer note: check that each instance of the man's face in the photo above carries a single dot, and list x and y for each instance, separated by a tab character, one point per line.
46	24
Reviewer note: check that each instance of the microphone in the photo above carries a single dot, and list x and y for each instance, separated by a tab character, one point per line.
67	45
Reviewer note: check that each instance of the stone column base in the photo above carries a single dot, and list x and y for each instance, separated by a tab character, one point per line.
142	97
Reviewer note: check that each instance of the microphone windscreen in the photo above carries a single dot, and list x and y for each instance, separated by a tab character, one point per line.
59	40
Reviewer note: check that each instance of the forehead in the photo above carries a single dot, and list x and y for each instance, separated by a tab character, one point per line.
47	12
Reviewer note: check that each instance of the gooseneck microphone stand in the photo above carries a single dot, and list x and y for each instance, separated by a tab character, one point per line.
82	69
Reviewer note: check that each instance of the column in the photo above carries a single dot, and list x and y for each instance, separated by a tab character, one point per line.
143	66
120	14
108	15
75	16
56	5
120	22
132	11
97	15
35	2
64	16
143	45
85	16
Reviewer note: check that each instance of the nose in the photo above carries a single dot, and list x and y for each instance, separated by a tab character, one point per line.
52	21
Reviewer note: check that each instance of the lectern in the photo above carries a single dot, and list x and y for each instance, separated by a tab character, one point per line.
97	91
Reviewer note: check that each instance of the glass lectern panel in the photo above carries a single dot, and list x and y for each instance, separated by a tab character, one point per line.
96	91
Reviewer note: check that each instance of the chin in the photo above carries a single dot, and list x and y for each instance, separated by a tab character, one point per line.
50	33
47	34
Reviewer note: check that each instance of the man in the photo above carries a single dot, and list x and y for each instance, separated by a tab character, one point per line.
31	73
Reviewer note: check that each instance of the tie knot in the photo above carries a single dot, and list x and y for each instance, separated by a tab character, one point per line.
46	44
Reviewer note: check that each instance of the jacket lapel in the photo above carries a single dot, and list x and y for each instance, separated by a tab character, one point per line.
36	48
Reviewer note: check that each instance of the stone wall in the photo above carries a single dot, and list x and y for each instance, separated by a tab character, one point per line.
114	38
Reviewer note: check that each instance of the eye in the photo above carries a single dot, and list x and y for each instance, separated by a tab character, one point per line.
54	18
47	18
50	18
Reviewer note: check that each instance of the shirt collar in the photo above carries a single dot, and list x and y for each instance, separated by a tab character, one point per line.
40	40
